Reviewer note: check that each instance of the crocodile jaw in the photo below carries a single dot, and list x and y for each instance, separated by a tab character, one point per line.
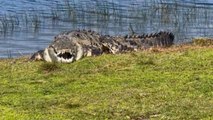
80	52
47	56
63	56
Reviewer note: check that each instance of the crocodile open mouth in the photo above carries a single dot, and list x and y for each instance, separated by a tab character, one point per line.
51	54
65	56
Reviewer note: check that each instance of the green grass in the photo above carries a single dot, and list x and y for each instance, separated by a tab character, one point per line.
176	83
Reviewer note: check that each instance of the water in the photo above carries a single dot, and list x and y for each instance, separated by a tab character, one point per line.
30	25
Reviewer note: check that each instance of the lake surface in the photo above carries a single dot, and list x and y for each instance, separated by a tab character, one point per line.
30	25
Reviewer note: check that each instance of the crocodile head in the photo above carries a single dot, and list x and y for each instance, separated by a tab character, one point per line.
63	50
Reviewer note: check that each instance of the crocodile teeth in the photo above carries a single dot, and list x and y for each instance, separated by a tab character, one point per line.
65	57
64	60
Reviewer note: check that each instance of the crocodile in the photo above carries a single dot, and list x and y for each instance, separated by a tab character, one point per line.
73	45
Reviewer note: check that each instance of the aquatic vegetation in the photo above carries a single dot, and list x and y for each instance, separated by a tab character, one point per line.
8	23
161	14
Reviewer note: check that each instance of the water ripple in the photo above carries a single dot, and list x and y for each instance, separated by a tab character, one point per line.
30	25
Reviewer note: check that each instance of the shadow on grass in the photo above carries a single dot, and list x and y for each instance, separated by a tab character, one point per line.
49	67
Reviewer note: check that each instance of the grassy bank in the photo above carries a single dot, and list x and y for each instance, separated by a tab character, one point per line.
175	83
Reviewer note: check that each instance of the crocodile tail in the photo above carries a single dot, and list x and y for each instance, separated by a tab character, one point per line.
161	39
166	38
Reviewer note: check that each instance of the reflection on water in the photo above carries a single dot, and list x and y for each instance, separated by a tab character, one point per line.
29	25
